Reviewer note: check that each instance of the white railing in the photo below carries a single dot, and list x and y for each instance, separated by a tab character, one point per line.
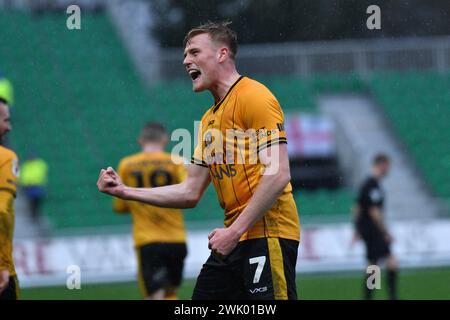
337	56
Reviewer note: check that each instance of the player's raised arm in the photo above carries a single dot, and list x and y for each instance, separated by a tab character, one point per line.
182	195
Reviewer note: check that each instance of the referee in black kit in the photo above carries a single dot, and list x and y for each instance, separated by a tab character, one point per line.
370	227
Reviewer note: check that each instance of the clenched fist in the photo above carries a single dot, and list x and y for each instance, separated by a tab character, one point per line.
109	182
222	241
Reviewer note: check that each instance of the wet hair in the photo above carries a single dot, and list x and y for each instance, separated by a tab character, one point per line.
219	32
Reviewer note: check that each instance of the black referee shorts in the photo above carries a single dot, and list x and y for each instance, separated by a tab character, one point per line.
160	265
257	269
12	290
376	245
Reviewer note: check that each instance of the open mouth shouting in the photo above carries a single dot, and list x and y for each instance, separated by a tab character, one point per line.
194	73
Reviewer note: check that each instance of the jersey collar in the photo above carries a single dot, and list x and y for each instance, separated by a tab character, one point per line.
228	92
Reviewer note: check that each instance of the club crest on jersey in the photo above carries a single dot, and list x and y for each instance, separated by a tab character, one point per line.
208	139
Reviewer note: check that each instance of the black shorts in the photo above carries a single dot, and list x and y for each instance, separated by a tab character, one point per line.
257	269
160	266
12	290
376	245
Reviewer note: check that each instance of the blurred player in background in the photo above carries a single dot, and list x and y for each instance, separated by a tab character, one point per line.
33	179
9	172
7	95
6	90
254	255
159	233
369	224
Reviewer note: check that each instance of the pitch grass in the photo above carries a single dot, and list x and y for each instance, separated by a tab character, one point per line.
413	284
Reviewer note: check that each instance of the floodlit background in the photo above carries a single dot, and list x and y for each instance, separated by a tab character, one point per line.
80	97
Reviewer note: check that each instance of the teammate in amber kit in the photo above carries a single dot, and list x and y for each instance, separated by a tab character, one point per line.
9	172
254	255
159	233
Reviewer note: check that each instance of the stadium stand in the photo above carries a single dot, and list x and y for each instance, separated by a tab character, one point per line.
417	106
78	126
81	112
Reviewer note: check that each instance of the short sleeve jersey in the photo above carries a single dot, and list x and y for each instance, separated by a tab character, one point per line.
245	122
370	195
152	224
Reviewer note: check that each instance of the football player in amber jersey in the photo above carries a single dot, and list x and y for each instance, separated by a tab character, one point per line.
9	172
242	150
158	233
